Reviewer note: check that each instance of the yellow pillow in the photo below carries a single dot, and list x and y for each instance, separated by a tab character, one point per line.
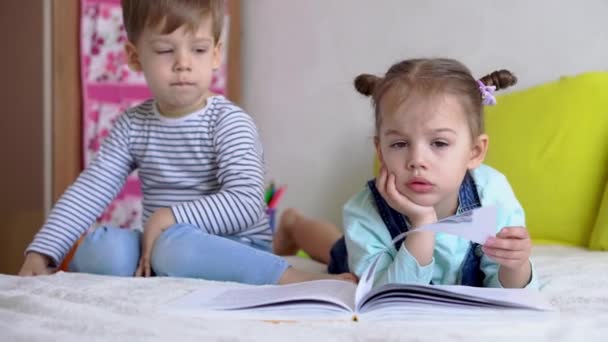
551	141
599	236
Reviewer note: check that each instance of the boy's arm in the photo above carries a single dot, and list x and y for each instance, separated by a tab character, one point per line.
240	202
87	197
367	238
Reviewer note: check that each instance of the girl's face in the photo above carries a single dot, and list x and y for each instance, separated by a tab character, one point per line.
427	145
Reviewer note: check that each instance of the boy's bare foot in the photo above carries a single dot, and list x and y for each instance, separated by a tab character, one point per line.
293	275
346	277
283	243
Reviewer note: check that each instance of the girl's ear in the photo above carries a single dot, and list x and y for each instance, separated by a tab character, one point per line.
132	57
378	150
478	151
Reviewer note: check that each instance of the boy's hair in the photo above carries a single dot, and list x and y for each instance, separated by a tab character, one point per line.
430	77
172	14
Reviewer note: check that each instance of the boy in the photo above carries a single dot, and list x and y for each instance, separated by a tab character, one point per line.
199	159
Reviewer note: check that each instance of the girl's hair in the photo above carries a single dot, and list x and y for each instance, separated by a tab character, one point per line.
428	77
172	14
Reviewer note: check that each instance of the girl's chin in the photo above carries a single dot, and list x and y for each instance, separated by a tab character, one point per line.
421	199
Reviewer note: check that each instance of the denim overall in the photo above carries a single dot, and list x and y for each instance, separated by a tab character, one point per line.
396	224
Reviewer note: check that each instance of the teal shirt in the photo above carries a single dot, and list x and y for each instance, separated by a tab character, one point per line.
366	237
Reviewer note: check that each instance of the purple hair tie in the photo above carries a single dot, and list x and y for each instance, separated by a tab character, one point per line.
487	94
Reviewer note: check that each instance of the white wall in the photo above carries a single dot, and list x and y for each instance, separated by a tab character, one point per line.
300	58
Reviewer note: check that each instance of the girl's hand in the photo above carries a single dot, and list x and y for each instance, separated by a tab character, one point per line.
511	248
35	264
417	214
158	222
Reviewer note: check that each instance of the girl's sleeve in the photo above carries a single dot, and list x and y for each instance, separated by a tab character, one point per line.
240	202
88	196
510	214
367	238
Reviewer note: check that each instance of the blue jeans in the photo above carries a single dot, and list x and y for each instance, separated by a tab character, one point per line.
183	250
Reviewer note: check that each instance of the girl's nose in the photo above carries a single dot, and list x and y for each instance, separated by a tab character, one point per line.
416	159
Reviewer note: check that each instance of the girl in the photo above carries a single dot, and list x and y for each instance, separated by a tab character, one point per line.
430	142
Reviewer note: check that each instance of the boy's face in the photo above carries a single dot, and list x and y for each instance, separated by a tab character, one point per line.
427	145
178	66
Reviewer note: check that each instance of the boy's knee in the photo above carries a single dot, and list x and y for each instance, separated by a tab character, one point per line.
108	251
174	251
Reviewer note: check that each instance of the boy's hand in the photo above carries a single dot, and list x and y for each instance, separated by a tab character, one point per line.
511	248
35	264
417	214
158	222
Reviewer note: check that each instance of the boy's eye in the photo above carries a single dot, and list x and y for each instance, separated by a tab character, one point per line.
399	144
200	50
440	143
163	51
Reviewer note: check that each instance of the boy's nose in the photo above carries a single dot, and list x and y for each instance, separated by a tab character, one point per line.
182	67
182	62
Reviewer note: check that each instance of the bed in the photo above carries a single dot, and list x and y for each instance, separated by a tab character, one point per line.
83	307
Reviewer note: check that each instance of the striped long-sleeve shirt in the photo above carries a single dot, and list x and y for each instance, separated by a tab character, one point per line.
206	166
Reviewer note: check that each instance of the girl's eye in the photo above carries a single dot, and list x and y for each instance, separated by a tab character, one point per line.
160	52
440	144
399	144
201	51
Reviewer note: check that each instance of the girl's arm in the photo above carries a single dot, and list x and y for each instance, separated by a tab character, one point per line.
508	272
422	245
367	238
506	262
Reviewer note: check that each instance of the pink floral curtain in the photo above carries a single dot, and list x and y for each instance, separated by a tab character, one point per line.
108	88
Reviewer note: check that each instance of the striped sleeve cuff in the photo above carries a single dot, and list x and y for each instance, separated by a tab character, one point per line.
55	256
188	213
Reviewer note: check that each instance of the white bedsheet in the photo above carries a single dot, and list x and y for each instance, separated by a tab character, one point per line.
81	307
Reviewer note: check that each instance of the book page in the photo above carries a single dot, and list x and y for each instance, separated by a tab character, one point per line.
476	225
437	313
522	298
448	297
320	294
366	282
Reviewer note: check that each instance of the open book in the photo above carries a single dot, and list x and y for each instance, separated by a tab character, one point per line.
341	300
334	299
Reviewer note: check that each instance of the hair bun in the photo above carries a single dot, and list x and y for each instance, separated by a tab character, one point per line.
366	83
501	79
